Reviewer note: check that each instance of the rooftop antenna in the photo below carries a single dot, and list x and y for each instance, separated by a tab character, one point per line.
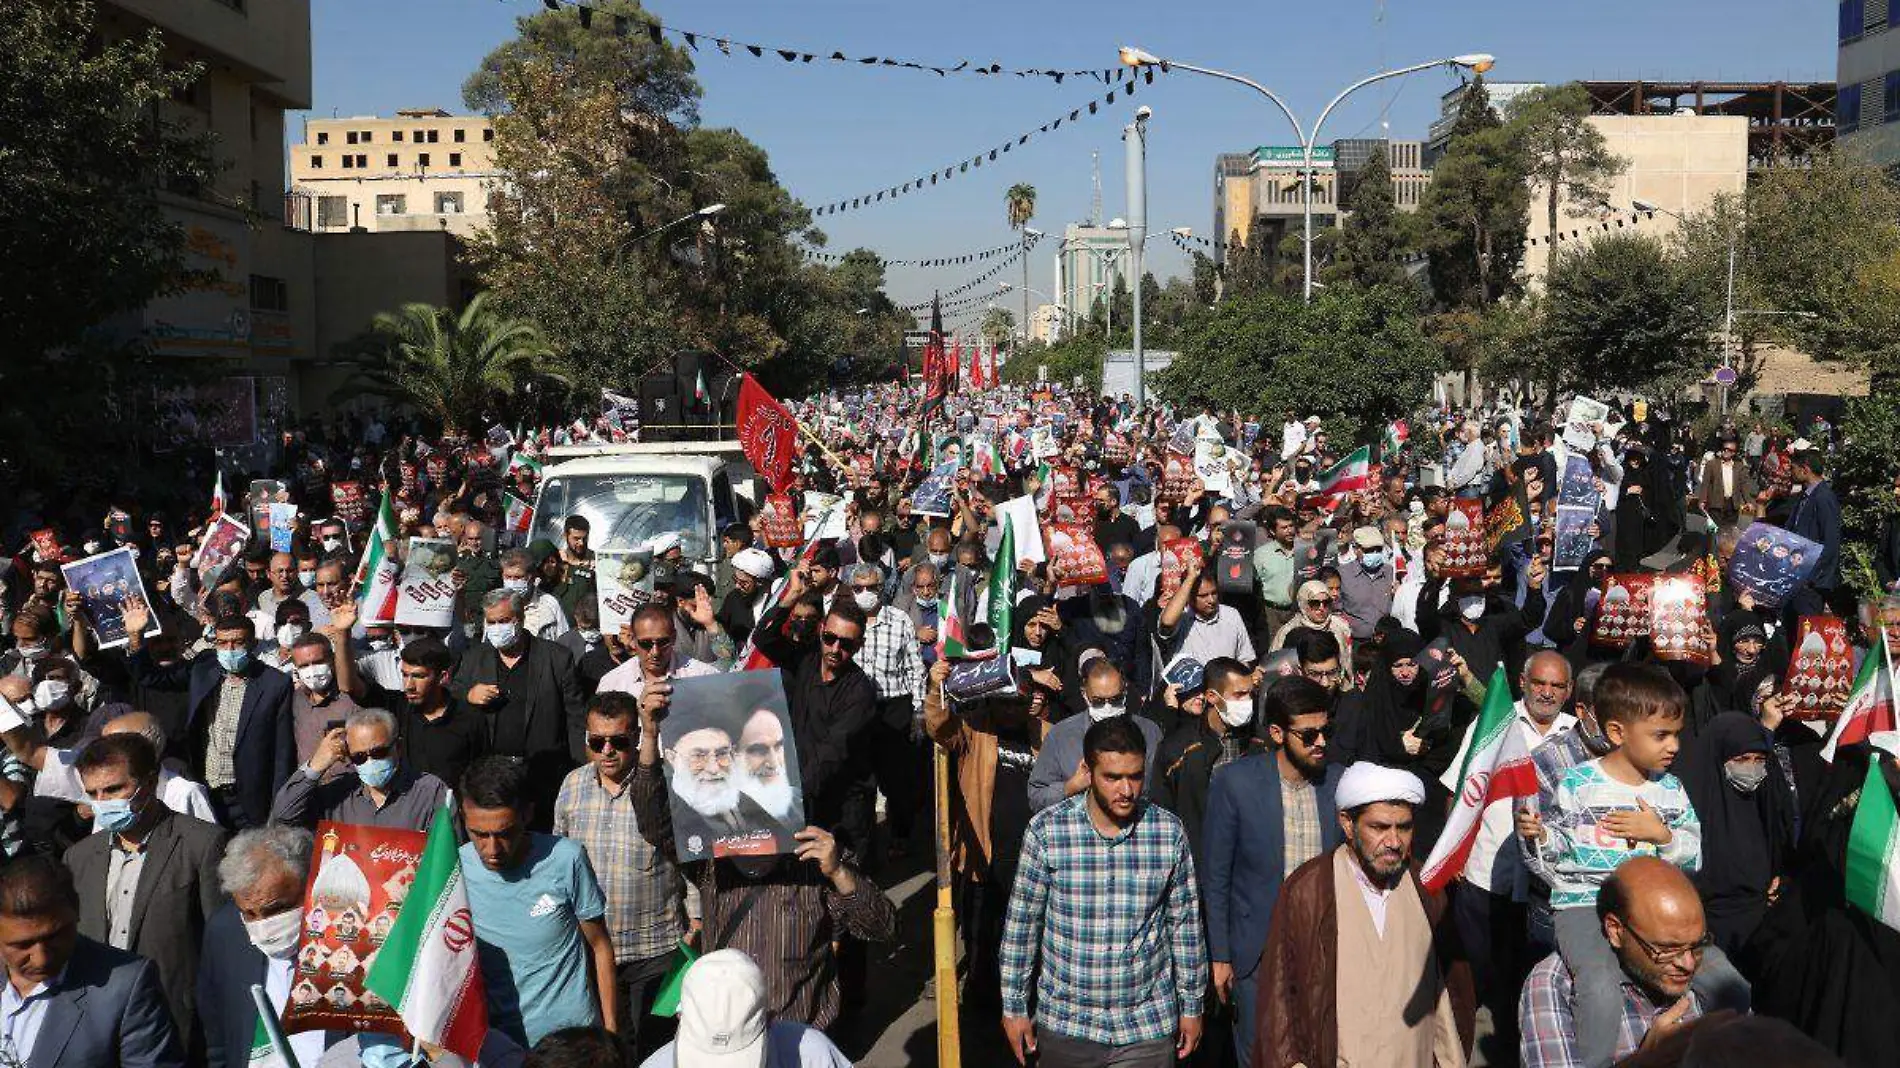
1095	205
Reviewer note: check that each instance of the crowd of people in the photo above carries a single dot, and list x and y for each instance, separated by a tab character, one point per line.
1208	687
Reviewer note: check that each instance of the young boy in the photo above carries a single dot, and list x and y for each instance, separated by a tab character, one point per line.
1620	805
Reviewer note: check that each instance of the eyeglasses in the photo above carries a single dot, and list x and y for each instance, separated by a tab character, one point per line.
698	758
849	645
619	743
381	752
1104	702
1309	735
1665	954
653	644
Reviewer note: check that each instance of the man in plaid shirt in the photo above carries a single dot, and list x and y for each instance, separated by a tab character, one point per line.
1653	919
894	739
1105	897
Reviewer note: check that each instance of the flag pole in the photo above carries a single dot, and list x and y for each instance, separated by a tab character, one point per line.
944	923
272	1029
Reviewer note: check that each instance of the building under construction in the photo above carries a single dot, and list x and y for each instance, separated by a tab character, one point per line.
1786	120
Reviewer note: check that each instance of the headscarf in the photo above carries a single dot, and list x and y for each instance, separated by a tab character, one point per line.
1746	838
1371	723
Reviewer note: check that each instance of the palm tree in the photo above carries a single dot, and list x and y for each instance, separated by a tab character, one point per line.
1020	199
450	367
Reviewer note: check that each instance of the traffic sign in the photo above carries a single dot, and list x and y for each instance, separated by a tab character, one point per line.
1725	376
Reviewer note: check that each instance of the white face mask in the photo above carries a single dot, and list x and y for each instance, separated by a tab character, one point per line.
1745	776
331	545
276	936
866	599
51	693
316	677
1471	608
1107	711
516	585
288	634
1237	713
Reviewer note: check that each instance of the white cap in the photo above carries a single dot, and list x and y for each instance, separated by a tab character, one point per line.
722	1013
754	562
1366	783
664	543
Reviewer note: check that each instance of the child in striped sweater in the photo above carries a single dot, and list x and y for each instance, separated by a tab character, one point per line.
1623	804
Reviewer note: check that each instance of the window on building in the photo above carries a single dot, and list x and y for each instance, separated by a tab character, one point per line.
333	213
362	161
269	294
392	204
422	159
396	136
1853	19
434	136
455	159
461	135
1891	94
1847	108
488	134
316	163
418	137
351	136
367	136
448	203
323	138
392	159
348	161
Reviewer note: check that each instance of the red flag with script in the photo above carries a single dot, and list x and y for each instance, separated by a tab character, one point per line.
768	433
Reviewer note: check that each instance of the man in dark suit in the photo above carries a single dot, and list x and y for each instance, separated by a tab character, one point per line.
1255	808
1726	491
252	939
147	880
103	1007
1817	517
237	715
525	688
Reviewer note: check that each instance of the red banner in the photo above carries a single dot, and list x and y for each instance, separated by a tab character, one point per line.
783	527
768	434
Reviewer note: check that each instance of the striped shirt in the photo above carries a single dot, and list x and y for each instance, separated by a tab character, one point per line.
890	656
1578	854
643	888
1115	924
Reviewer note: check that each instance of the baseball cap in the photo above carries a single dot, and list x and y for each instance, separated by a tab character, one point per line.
1368	538
722	1013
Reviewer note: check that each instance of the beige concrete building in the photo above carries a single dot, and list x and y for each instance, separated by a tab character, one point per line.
1261	190
1089	261
420	170
1679	163
257	310
1045	324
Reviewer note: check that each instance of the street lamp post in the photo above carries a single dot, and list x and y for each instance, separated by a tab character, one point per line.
1135	138
703	213
1477	61
1053	302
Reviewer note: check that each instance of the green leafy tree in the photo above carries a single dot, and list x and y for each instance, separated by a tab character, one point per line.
1865	462
647	77
452	367
1249	266
1475	210
1206	274
1563	154
1064	361
1620	314
1019	201
1372	240
999	325
85	152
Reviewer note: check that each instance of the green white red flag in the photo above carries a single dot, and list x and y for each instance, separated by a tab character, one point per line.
953	641
217	494
521	461
427	968
1870	705
1396	435
1002	591
519	517
380	573
1873	849
1494	767
1348	476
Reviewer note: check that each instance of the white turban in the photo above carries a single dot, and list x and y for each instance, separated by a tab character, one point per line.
661	544
754	562
1365	783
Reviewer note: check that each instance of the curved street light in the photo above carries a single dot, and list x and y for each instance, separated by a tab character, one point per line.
1478	62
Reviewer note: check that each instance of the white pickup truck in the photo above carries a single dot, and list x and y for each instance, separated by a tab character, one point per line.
634	492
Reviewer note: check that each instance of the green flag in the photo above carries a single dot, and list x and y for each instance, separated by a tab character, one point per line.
667	1001
1003	588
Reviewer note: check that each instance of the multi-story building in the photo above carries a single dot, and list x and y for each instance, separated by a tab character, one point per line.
1045	324
423	169
1088	263
1868	73
1258	196
1438	135
255	308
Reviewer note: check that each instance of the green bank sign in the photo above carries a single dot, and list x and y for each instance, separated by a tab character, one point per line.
1290	156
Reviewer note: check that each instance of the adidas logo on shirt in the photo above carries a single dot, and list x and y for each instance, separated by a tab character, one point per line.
544	906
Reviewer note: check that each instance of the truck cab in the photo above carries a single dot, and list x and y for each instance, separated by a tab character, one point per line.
631	493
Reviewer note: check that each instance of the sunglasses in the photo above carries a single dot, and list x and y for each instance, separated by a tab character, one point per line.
381	752
1309	735
619	743
653	644
850	645
1321	602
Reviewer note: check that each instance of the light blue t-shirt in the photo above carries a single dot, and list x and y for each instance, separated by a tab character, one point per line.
527	931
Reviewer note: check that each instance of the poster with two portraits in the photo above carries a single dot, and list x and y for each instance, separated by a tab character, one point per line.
731	767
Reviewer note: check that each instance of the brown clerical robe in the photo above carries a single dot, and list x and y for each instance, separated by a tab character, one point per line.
1297	1014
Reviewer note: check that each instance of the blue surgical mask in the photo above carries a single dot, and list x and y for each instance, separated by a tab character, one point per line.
116	815
516	585
234	661
376	772
1374	559
501	635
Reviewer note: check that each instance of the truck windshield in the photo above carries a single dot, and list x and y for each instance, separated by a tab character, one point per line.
626	511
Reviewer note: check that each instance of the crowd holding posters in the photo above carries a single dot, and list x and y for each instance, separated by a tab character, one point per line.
425	597
731	767
1770	563
358	882
1821	668
623	584
105	582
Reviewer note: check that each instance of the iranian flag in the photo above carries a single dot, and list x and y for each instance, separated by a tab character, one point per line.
1494	767
1002	591
983	458
1396	435
427	967
217	494
952	641
1873	850
377	576
1349	475
1869	706
520	515
700	396
521	461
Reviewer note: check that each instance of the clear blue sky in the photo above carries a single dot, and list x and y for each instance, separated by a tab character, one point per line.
836	130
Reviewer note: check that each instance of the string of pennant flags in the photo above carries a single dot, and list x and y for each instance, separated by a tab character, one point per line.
987	275
945	174
1028	239
1192	244
922	311
655	30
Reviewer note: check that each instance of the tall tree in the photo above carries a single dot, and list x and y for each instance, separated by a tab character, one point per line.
1020	202
1249	268
647	76
453	368
1620	314
84	150
998	326
1207	288
1372	238
1564	156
